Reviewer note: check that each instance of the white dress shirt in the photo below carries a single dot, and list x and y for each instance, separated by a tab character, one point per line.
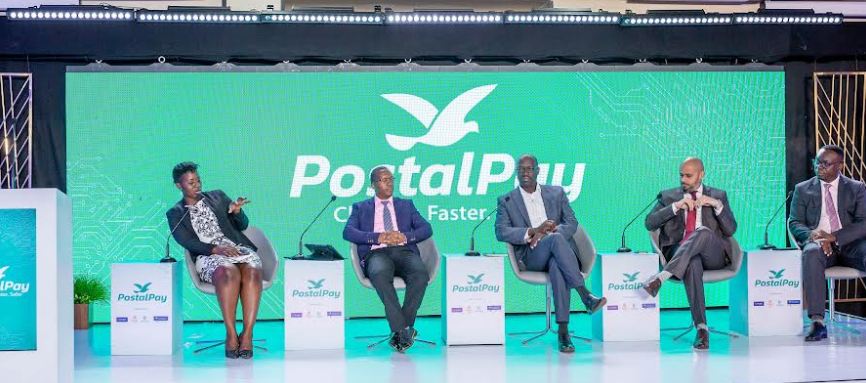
824	223
698	220
534	207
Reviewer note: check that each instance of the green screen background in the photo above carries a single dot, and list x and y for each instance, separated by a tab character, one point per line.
126	130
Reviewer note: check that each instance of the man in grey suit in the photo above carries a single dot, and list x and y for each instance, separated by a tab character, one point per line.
539	223
828	220
695	223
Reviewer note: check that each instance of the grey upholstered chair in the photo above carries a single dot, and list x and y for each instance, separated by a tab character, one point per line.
832	274
710	276
586	256
269	270
431	259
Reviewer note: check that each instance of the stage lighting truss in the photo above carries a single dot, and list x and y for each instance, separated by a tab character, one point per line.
66	14
221	17
561	18
661	18
667	20
443	18
823	19
324	18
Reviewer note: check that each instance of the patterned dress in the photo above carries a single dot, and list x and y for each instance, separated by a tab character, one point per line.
207	228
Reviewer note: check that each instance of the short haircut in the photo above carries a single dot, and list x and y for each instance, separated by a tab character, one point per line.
374	173
183	168
835	149
530	156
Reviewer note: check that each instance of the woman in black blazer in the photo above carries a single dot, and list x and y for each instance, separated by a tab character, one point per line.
209	225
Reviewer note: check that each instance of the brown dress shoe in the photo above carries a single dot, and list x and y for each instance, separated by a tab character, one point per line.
652	287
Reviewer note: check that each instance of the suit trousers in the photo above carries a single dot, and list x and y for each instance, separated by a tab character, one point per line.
554	255
814	264
703	250
382	265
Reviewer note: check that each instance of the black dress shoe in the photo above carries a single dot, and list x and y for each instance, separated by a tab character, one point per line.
702	340
652	287
394	342
818	332
565	345
407	337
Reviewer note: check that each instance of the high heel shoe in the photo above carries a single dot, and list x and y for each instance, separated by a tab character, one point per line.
245	354
232	354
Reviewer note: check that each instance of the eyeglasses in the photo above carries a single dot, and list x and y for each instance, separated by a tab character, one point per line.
386	180
824	164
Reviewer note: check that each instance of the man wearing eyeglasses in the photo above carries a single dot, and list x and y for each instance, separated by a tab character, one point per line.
828	220
387	230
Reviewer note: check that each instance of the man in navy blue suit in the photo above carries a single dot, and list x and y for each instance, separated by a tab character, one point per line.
387	230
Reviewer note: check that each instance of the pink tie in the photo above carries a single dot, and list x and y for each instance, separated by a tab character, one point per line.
831	209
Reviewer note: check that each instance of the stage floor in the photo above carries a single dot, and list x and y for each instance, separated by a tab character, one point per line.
770	359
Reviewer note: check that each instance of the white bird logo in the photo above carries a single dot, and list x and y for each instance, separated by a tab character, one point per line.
3	271
445	128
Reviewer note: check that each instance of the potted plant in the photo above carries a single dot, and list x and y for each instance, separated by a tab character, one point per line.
87	290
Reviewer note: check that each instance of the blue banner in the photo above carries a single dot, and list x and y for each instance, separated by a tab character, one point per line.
18	280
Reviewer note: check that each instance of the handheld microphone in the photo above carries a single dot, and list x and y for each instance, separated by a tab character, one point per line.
767	245
623	248
472	252
168	258
300	254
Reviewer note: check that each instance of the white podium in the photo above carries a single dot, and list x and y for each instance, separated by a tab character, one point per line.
146	315
631	314
314	304
36	344
473	300
766	297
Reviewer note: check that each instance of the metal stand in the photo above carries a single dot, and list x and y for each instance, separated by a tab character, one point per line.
547	316
215	343
383	338
834	322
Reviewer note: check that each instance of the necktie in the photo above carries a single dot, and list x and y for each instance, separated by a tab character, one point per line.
831	209
691	219
386	217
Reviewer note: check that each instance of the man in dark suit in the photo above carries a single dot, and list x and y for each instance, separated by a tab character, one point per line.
387	230
695	223
828	220
539	223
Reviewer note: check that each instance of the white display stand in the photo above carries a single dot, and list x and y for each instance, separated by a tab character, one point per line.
52	359
473	300
766	297
314	304
146	301
630	314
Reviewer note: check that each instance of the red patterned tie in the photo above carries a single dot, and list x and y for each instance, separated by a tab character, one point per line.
691	219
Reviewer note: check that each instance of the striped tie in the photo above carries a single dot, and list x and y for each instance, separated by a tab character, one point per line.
386	217
831	209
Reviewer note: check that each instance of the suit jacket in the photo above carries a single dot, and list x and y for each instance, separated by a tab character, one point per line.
231	225
806	210
673	226
512	219
359	227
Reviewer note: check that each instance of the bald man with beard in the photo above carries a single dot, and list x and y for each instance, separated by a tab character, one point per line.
694	223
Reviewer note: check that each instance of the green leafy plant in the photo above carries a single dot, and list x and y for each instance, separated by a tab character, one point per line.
89	290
